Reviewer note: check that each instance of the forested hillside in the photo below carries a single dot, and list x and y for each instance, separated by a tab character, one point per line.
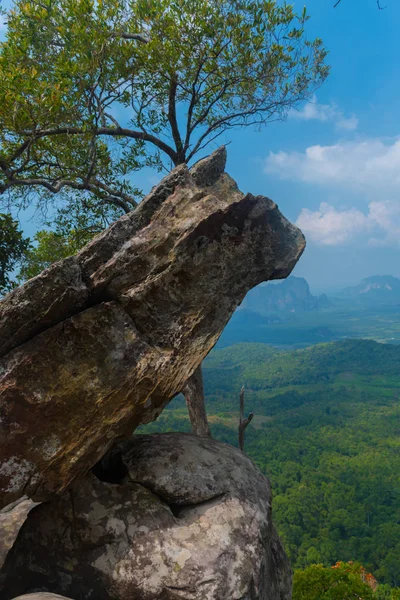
327	433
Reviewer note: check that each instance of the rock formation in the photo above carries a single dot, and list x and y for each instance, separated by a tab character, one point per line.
290	296
100	342
185	517
42	596
11	519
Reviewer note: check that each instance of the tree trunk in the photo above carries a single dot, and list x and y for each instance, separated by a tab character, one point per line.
194	396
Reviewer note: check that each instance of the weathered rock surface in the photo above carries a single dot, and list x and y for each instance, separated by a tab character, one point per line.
42	596
11	520
189	518
100	342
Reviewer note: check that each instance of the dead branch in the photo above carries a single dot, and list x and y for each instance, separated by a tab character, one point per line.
243	423
377	2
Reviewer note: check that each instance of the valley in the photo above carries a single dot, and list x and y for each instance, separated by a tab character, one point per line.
326	432
296	318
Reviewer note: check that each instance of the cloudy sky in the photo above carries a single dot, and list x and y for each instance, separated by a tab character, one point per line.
334	166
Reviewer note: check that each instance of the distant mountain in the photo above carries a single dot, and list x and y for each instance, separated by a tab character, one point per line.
376	290
290	296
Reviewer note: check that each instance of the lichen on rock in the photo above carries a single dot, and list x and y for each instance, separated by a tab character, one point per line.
190	518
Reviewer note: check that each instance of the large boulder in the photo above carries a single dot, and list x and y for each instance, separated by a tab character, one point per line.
185	517
42	596
100	342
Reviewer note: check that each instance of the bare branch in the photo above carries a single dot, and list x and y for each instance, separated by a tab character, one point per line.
193	100
113	196
377	1
112	119
243	423
172	117
135	36
113	132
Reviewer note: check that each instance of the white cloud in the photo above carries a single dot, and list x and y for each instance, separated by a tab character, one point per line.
324	112
329	226
369	166
348	123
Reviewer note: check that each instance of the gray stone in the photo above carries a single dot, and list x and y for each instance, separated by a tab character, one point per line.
186	518
104	245
208	170
42	596
38	304
12	518
99	343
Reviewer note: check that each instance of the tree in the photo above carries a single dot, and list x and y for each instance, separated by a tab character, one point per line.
129	84
133	83
385	592
344	581
193	392
72	229
13	247
50	247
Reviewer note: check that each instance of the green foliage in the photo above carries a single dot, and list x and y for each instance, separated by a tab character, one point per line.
265	367
341	582
74	228
13	247
326	433
386	592
127	84
49	248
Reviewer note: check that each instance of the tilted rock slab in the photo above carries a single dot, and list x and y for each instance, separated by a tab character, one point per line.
190	519
100	342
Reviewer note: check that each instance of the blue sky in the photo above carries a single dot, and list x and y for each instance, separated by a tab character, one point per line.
334	166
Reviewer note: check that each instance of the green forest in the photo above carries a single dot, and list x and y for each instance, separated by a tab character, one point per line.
326	433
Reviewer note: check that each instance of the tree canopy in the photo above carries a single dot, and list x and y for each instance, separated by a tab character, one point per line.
92	91
50	246
343	581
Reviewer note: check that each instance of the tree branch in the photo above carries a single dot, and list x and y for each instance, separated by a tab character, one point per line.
135	36
111	131
116	197
377	1
172	118
193	100
227	122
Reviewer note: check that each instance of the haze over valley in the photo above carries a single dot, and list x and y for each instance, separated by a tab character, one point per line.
287	314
